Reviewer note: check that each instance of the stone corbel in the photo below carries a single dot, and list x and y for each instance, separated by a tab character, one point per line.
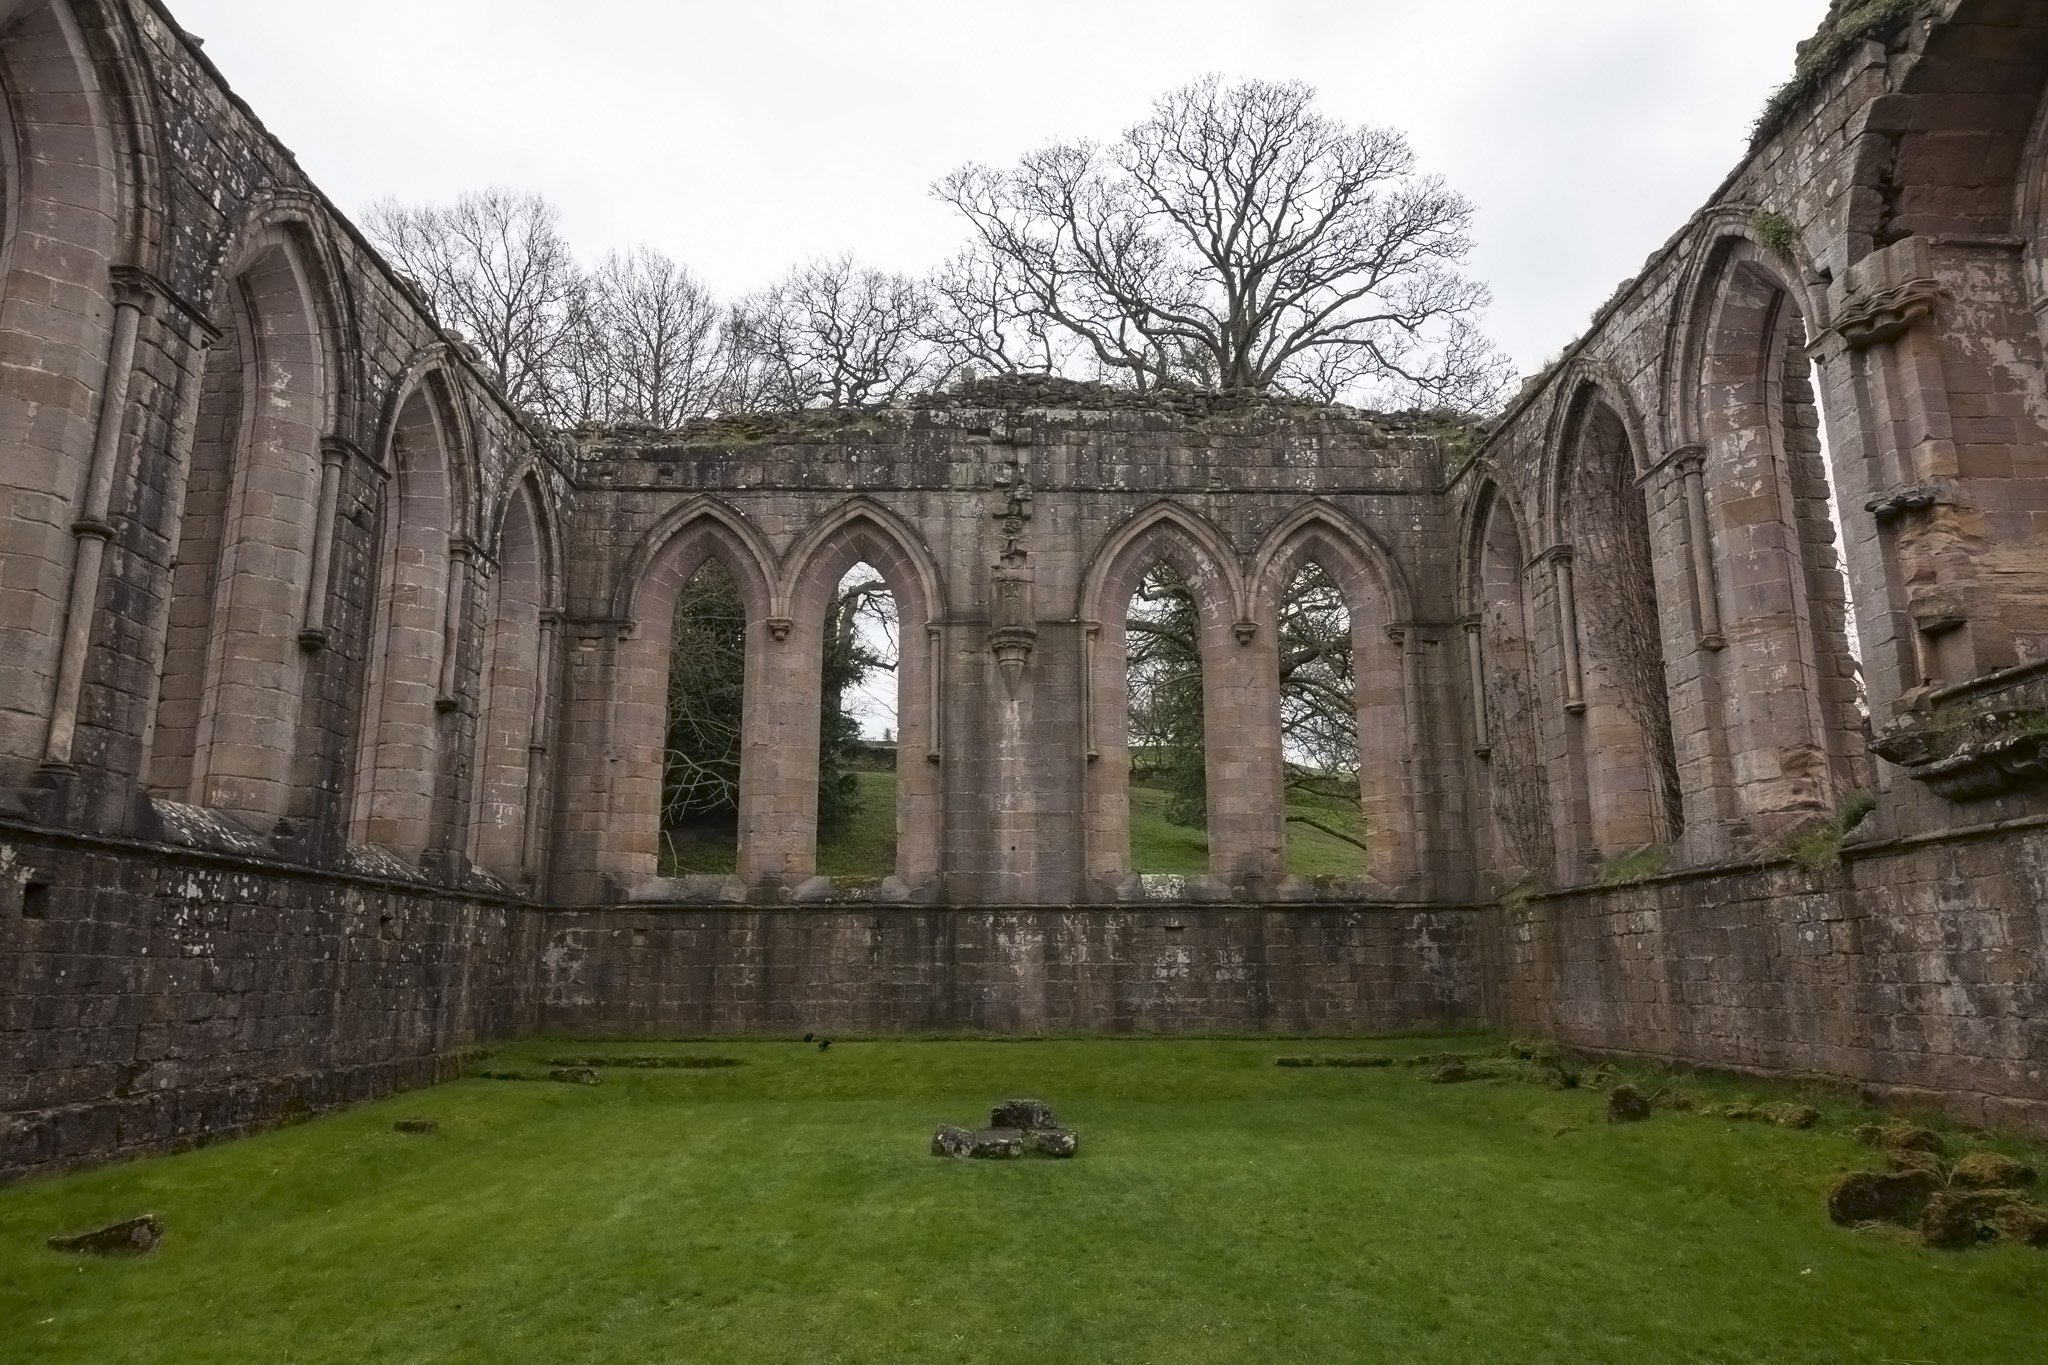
1013	632
1245	631
1894	503
779	628
1868	320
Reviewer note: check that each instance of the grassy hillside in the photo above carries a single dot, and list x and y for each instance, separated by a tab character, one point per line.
1157	846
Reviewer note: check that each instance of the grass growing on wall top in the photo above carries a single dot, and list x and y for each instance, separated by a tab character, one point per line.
1223	1209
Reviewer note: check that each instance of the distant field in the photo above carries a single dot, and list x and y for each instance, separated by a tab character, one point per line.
1223	1209
1157	846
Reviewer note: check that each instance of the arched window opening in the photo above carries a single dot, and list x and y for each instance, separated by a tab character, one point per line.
1789	677
1326	827
1169	807
700	779
1525	840
409	715
1628	749
226	733
858	732
208	480
515	698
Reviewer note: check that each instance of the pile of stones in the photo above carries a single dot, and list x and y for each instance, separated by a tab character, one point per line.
1978	1197
1016	1128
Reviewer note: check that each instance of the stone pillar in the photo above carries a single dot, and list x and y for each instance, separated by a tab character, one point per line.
1475	678
1692	469
1241	737
456	607
1568	630
778	848
532	847
1389	746
334	455
134	297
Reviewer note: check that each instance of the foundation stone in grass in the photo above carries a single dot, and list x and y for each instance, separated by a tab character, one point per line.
575	1075
1029	1115
2026	1224
1881	1196
421	1126
954	1142
134	1237
1990	1171
1626	1104
997	1144
1955	1219
1055	1142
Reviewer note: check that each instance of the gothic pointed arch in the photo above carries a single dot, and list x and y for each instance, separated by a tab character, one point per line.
1377	600
1752	415
409	736
233	671
1240	703
857	531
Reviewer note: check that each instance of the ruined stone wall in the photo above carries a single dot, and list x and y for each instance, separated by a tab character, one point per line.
1912	967
1194	970
154	997
1014	517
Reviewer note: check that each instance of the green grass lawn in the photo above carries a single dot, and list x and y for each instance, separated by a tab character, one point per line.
1157	846
1222	1209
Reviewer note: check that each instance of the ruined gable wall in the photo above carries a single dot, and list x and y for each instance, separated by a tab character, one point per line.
1014	779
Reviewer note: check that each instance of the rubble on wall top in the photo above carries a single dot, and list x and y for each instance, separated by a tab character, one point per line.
1013	395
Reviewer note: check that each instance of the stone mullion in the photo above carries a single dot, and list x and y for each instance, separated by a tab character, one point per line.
1241	739
779	755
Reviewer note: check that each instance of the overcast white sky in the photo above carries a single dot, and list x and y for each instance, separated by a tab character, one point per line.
745	135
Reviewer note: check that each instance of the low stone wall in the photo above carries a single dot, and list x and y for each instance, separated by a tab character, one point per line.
1208	969
1915	967
152	997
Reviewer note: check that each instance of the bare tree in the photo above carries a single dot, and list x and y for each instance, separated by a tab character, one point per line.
495	266
1237	238
981	319
656	332
830	334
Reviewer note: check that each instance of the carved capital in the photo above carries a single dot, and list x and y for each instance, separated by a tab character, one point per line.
1689	461
338	450
1872	319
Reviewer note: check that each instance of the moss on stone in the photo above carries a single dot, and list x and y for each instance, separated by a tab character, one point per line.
1848	23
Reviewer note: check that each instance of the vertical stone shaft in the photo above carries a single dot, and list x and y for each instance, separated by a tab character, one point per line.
1475	667
90	530
1568	630
333	456
1692	468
